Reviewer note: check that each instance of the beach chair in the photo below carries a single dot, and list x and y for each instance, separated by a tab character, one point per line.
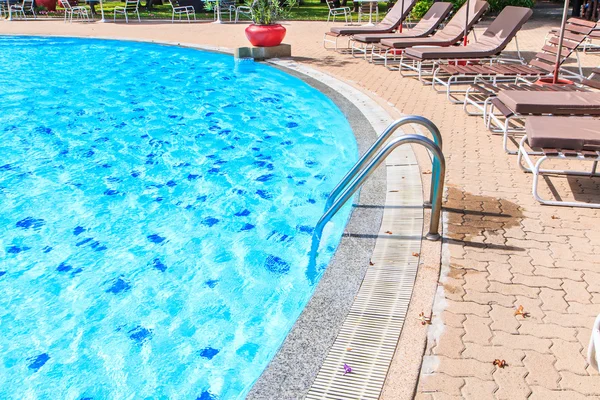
131	6
451	34
181	11
243	10
338	11
560	139
479	95
543	64
77	11
19	9
225	7
514	106
390	23
434	17
504	28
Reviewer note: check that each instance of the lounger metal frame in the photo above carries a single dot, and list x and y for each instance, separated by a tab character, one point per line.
536	169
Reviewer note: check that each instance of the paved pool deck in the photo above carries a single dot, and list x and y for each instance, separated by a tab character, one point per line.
500	248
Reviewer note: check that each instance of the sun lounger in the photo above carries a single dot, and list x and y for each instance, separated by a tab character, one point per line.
480	94
541	65
452	33
390	23
425	60
586	45
560	138
515	105
436	14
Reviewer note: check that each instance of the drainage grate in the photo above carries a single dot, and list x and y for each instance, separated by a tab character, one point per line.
370	333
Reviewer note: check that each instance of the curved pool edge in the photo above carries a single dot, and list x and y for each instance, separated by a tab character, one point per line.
294	367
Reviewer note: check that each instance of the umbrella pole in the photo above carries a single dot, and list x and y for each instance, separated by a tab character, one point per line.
402	23
466	25
560	41
102	11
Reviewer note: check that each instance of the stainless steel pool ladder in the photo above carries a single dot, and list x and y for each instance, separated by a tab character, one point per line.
355	178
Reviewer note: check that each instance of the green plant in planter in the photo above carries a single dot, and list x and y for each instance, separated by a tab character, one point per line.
268	12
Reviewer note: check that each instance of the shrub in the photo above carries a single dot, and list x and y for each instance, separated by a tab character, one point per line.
495	5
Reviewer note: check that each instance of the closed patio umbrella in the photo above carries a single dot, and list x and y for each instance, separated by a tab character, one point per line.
561	37
466	24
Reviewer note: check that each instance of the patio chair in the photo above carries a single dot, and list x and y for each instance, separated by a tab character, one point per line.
452	33
337	11
131	6
516	105
70	11
434	17
390	23
560	139
541	65
26	5
367	8
244	10
181	10
225	7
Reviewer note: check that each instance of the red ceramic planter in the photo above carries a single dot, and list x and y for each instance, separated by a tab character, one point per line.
265	35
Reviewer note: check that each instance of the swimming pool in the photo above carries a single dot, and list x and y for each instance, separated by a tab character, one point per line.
156	210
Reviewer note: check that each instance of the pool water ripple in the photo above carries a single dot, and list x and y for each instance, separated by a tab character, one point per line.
156	211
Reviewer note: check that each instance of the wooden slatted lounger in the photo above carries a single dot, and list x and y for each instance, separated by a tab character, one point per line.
560	138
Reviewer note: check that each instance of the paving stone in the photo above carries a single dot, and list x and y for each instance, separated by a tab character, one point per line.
547	331
504	319
561	273
489	298
477	329
591	310
568	357
463	367
576	291
568	320
468	307
489	353
441	383
521	342
541	370
476	389
511	383
553	300
450	344
541	393
588	385
514	289
452	320
537	281
500	272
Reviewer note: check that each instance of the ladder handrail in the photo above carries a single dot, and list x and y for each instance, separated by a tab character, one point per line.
436	191
411	119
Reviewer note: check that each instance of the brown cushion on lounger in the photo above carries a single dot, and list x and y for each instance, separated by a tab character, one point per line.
578	103
573	133
496	37
392	20
354	30
452	32
431	20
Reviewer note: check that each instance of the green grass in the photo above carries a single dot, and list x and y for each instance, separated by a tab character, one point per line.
310	10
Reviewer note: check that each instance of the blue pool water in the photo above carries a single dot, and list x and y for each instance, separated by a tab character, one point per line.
156	210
